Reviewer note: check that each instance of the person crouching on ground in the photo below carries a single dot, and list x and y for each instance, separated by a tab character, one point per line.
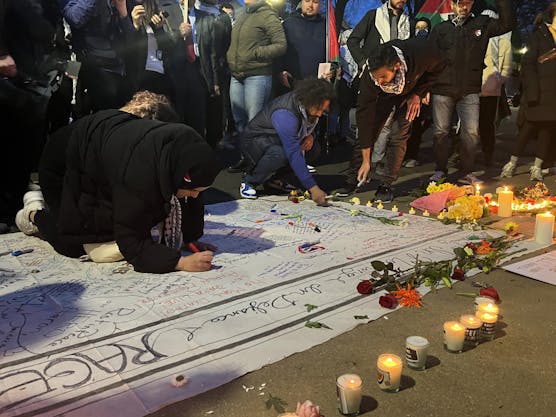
282	134
125	180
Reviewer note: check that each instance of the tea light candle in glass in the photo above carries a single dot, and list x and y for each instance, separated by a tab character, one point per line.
454	336
487	307
488	328
473	329
348	389
389	373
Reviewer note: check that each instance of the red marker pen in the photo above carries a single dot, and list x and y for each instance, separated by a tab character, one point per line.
193	248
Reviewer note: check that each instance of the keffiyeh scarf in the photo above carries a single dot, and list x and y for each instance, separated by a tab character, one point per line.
397	85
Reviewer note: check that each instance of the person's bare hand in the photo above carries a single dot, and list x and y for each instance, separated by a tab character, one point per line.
158	20
318	196
285	79
413	107
216	90
197	262
8	68
307	143
137	16
363	173
121	7
185	29
427	99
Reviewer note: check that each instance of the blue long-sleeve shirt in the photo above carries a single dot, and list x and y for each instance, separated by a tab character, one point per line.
78	12
288	127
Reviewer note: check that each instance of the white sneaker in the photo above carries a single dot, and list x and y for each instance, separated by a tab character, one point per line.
311	169
438	176
246	191
32	201
410	163
470	179
508	170
536	173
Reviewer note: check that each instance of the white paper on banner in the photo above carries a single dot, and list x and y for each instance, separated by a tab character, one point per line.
77	339
542	268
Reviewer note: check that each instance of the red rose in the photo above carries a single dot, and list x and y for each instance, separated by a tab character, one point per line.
365	287
388	301
295	200
493	209
490	292
458	274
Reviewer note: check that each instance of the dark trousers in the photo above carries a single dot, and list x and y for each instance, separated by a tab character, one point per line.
546	134
265	156
98	89
190	93
23	121
419	126
487	124
156	83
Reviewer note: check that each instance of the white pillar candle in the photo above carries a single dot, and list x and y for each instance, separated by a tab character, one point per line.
488	329
472	329
487	307
389	369
544	228
416	352
505	199
348	389
454	336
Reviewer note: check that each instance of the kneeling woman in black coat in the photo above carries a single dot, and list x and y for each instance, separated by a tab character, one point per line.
129	180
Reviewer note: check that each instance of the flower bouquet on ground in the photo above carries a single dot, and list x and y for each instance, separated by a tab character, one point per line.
440	197
533	199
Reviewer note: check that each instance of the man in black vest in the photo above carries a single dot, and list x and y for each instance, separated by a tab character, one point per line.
282	133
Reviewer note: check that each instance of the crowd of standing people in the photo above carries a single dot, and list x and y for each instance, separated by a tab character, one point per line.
208	76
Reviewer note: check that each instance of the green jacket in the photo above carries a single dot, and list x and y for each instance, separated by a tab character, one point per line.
257	38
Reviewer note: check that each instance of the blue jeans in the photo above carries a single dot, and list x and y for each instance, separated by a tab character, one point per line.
467	109
248	97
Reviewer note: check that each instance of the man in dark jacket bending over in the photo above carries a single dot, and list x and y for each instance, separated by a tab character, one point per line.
282	133
394	81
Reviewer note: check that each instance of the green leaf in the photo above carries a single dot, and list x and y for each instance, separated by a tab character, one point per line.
316	325
360	317
275	402
468	251
447	282
390	266
310	307
378	265
468	294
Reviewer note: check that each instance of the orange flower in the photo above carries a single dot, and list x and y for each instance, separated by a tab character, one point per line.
485	248
409	297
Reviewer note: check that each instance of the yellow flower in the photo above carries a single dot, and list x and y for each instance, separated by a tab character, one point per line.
433	187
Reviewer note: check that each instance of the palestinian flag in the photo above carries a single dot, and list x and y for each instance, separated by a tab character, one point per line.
332	47
436	10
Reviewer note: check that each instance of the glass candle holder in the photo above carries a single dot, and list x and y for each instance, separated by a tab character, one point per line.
454	336
389	372
348	389
416	352
472	329
488	328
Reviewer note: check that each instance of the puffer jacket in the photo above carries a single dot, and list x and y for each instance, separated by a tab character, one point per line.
257	39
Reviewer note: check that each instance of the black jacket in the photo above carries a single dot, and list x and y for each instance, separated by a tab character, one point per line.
365	32
213	40
538	101
121	173
306	40
465	49
424	64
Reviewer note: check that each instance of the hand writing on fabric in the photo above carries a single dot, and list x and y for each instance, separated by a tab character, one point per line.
138	16
158	20
203	246
364	170
197	262
413	107
185	29
307	143
318	196
7	66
